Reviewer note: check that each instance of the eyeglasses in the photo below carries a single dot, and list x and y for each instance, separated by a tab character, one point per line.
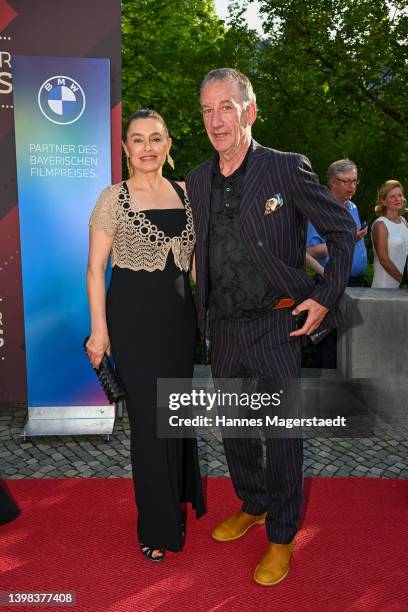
348	182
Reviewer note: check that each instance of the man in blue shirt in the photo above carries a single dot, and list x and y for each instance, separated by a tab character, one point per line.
342	181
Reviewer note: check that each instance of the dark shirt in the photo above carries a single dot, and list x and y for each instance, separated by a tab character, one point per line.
237	290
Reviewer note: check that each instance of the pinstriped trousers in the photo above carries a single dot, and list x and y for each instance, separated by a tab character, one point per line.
261	348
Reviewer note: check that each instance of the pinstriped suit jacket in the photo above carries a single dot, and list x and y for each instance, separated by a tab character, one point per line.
276	242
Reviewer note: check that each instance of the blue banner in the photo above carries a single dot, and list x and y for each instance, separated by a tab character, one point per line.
62	127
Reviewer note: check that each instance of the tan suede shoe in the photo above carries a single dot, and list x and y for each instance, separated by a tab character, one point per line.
236	526
274	565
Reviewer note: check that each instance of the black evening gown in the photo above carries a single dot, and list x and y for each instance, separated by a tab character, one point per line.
152	329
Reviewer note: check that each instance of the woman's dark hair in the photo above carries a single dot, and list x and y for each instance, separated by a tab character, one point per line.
143	113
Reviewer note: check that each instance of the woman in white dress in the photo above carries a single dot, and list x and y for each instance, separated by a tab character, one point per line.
390	237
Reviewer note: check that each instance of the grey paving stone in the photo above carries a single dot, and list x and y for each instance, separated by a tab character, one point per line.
312	472
94	456
394	469
361	468
343	472
389	474
376	471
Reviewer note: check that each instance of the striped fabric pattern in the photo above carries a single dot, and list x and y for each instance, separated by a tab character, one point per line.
262	348
276	242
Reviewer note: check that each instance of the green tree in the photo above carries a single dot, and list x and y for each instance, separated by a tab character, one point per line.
167	49
331	78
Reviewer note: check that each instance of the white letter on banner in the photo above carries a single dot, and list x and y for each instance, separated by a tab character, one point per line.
7	59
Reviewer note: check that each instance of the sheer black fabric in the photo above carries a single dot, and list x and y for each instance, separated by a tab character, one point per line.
237	290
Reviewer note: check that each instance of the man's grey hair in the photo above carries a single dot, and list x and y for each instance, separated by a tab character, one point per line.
338	167
233	76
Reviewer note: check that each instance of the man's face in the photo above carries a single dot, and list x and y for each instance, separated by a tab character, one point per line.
227	118
343	187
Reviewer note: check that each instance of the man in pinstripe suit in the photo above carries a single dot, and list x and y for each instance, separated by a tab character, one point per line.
250	205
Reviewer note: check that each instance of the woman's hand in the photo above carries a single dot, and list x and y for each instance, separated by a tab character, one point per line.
96	347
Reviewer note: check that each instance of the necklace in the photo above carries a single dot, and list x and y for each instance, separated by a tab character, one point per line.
396	220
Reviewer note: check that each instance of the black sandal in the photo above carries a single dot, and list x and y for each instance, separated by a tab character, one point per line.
148	551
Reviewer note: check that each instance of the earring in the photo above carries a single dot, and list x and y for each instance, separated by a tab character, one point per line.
170	161
129	166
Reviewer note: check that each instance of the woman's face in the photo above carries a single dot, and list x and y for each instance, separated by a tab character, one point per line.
147	144
394	200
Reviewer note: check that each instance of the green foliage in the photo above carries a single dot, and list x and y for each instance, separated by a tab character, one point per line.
331	80
167	49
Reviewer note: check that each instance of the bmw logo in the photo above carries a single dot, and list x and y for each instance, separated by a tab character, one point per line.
61	100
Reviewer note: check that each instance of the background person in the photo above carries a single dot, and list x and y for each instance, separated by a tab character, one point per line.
145	223
342	180
390	237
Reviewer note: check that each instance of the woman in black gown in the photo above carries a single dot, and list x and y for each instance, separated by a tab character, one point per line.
148	323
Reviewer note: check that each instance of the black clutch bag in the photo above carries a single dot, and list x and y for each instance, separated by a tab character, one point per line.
108	378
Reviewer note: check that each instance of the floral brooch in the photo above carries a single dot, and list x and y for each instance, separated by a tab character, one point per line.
273	204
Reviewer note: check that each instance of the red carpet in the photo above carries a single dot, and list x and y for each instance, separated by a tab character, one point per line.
78	535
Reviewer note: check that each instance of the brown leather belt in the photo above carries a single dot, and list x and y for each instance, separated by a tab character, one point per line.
284	303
